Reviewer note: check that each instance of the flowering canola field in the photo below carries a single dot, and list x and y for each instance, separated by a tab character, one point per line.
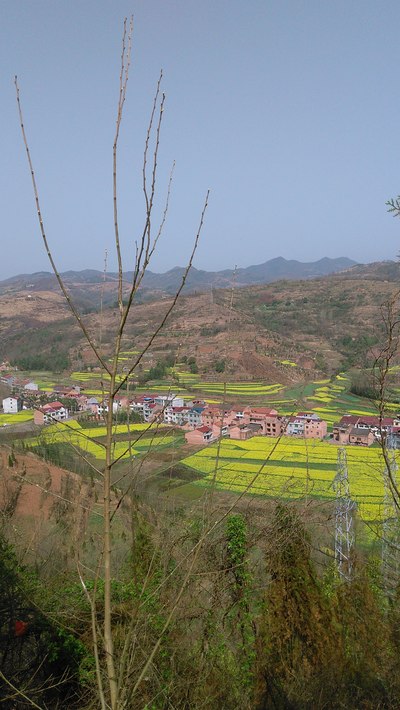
25	415
87	440
292	468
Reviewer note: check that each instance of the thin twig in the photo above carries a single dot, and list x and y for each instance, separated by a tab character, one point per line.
57	274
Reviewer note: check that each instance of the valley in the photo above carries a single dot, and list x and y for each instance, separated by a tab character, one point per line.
228	364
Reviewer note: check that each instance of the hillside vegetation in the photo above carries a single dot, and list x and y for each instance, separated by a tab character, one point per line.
264	621
323	325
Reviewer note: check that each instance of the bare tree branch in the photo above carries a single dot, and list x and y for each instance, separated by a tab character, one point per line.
66	295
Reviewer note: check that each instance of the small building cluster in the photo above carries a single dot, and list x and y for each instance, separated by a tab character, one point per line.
46	405
46	414
203	423
243	423
364	430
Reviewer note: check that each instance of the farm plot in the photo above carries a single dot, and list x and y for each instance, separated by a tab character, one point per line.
331	400
291	469
129	441
160	387
242	389
88	376
184	375
125	356
26	415
320	396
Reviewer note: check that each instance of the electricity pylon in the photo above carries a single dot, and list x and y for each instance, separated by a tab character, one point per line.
344	531
390	526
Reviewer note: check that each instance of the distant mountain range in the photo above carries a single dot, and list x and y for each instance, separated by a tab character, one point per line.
198	280
272	270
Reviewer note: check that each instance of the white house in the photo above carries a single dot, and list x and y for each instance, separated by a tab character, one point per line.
31	387
12	405
103	407
49	413
295	426
169	399
176	415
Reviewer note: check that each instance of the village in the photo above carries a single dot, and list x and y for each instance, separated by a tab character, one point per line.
203	423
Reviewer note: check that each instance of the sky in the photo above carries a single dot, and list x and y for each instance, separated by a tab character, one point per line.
287	110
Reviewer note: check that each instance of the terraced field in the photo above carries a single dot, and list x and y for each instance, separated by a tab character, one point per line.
238	389
89	376
291	469
128	441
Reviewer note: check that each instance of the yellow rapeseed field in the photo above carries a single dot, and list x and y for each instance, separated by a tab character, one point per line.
292	468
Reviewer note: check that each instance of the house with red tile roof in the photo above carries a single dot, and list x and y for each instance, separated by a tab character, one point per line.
49	413
267	418
343	430
202	435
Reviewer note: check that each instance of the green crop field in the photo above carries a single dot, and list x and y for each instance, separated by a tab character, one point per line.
184	375
293	469
240	389
88	376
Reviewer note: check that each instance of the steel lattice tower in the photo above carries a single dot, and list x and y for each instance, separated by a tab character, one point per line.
390	527
344	532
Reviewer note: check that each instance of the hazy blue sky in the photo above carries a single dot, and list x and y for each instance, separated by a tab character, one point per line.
288	111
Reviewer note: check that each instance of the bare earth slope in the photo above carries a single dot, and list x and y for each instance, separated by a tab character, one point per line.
319	324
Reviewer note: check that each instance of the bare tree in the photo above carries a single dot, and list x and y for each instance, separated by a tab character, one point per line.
123	661
393	206
110	669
